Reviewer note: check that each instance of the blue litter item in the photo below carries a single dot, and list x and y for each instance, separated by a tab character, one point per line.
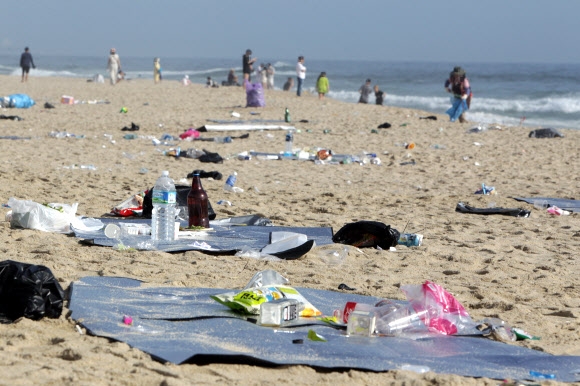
20	101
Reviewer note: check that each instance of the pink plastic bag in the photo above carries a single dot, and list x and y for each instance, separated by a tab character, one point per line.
444	313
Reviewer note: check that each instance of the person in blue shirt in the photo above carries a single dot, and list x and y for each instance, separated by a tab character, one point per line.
26	62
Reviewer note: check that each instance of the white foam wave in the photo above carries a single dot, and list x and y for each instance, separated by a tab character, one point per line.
568	104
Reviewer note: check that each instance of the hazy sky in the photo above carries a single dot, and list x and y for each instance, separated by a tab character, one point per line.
425	30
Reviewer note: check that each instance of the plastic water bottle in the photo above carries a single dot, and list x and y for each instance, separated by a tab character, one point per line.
229	186
222	139
163	214
289	144
230	182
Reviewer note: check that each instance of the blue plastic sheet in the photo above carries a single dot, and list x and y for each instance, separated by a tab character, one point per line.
183	325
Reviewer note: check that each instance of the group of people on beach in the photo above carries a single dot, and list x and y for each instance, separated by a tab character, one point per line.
457	83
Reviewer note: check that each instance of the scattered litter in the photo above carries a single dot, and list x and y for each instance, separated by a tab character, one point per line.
545	133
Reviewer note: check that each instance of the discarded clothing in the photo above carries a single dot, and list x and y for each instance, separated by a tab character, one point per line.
367	234
431	117
516	212
11	117
203	174
545	133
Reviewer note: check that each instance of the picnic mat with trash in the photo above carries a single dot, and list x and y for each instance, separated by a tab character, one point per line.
271	323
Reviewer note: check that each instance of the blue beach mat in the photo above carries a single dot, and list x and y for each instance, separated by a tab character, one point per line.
184	325
226	237
562	203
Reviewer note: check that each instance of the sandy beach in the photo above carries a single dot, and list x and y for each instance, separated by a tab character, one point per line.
522	270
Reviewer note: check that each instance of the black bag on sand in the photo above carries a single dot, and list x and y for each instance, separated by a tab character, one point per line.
182	192
28	290
367	234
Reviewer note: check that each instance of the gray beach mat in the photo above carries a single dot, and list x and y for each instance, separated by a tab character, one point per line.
223	239
562	203
183	325
236	127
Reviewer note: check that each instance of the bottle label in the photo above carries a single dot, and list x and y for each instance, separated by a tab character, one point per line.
164	197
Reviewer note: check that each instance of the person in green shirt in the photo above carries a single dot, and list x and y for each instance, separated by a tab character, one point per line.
322	85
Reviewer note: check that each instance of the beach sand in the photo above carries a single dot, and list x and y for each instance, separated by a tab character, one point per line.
522	270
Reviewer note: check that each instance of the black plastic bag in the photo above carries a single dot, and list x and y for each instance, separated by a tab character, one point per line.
182	192
367	234
28	290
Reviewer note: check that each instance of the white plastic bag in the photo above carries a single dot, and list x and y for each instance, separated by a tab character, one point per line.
54	217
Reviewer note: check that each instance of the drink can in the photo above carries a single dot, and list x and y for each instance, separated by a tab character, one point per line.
410	239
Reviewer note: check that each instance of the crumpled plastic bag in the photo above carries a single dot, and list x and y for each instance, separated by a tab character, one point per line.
53	217
444	314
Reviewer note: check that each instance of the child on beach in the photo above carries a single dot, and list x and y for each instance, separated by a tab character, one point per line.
322	85
289	84
379	96
459	86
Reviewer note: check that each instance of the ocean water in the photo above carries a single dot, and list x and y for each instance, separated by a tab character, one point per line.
531	94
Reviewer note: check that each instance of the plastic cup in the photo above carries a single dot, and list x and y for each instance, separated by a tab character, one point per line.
112	231
541	204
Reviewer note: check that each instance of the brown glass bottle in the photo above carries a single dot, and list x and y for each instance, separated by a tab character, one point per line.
197	204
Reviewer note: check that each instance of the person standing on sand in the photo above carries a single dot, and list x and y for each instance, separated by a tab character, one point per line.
322	85
458	84
365	90
157	70
26	62
300	74
114	66
247	62
270	71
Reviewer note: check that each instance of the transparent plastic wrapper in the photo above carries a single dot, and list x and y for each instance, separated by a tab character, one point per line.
248	301
267	277
52	217
441	312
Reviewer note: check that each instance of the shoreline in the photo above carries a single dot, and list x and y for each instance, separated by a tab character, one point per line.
523	271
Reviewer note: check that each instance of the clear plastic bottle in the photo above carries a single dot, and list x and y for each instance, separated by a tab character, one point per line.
289	144
222	139
230	182
163	214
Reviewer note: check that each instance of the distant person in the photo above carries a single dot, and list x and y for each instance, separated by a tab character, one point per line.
157	77
322	85
114	66
270	71
365	90
289	84
26	62
300	74
232	79
210	82
247	62
185	81
263	76
458	84
379	96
